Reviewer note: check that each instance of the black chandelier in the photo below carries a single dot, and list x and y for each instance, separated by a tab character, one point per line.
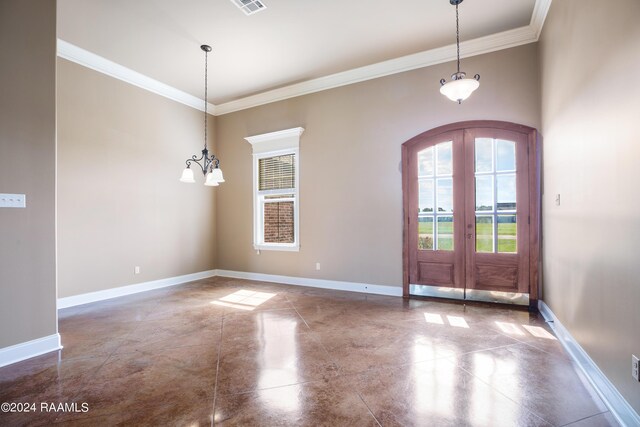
209	164
459	88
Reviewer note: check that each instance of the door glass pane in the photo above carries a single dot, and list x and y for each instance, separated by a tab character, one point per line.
444	196
435	197
507	240
506	155
444	159
506	192
445	233
484	233
495	163
425	232
484	193
484	155
425	196
425	162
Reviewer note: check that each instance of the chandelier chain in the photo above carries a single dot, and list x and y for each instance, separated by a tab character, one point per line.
206	55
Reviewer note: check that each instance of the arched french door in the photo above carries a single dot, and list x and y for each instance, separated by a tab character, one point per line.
471	195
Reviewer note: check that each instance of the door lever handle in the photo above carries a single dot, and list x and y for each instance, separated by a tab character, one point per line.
469	235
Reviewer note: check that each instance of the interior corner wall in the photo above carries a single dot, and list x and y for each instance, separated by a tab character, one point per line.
350	176
590	109
121	150
28	166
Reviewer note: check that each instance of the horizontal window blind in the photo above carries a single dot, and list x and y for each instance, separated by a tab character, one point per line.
279	196
276	173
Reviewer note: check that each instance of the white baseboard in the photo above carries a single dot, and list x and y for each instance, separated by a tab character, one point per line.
395	291
131	289
618	406
172	281
26	350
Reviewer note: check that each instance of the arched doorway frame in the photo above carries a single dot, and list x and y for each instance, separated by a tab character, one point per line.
534	149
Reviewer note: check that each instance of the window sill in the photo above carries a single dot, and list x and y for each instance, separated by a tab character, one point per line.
286	248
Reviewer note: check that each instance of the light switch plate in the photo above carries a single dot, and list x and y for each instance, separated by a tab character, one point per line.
13	200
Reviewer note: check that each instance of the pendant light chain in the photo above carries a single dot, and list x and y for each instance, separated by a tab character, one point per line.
206	56
458	36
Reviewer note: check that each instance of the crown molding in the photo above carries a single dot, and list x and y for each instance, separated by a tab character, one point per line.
479	46
540	11
469	48
88	59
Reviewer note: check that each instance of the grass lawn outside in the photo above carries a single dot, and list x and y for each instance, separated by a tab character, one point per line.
507	241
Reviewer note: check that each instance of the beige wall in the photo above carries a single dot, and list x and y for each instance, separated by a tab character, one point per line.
590	109
27	166
121	150
350	177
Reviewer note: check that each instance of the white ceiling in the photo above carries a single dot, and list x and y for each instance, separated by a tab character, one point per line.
290	42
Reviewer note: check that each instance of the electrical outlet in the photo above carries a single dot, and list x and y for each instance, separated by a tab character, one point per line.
317	266
136	270
635	367
557	199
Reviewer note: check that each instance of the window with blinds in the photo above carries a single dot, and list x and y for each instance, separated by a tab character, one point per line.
276	173
276	194
277	200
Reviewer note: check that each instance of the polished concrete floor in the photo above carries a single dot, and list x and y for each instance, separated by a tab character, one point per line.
234	352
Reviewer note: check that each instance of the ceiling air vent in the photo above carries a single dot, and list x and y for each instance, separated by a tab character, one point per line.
249	7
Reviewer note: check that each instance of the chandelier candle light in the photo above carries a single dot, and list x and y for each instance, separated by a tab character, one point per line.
209	164
459	88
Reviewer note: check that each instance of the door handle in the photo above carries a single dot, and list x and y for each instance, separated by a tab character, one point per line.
469	235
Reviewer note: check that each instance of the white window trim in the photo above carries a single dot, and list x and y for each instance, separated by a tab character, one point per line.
270	145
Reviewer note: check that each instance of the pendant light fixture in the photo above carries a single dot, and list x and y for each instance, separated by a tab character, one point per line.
209	164
459	88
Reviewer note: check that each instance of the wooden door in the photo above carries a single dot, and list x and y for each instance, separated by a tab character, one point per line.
436	223
496	210
471	201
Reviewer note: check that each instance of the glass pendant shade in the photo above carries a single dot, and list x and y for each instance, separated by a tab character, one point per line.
211	180
459	90
217	174
187	176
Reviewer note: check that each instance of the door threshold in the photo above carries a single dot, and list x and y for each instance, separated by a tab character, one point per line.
513	298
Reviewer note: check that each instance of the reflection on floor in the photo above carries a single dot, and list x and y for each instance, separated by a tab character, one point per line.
234	352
